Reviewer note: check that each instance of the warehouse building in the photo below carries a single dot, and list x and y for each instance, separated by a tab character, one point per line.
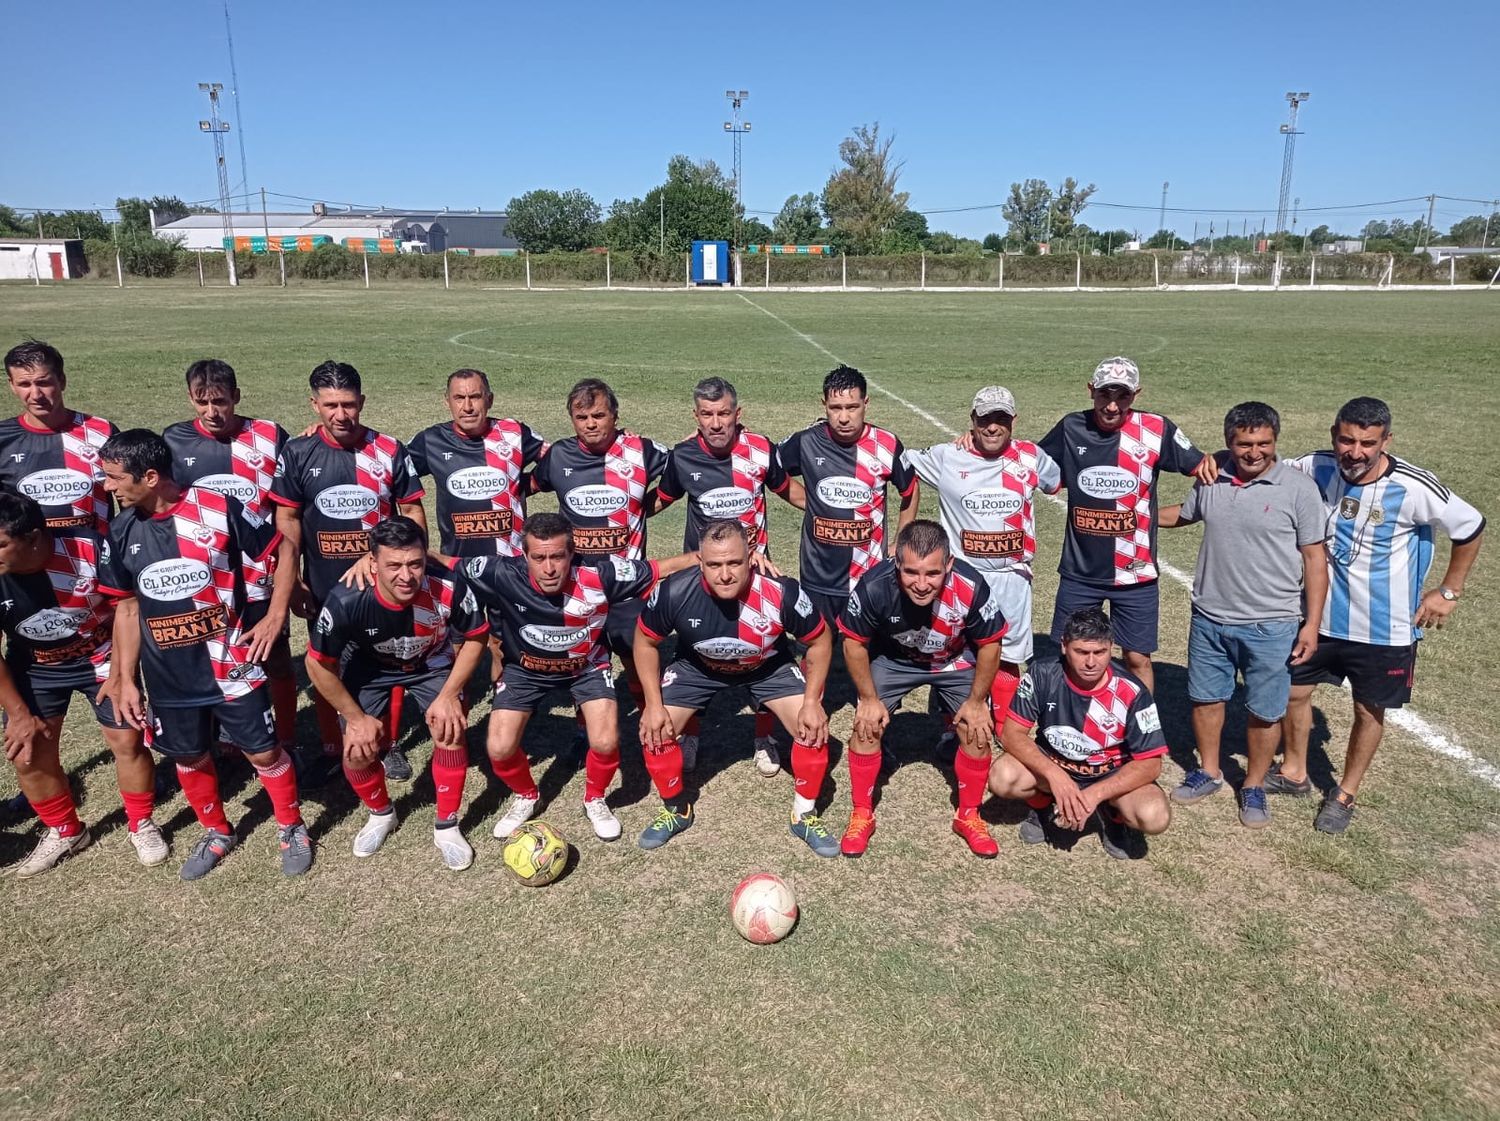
478	231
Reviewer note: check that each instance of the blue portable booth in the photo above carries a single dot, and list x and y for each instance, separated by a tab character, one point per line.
711	263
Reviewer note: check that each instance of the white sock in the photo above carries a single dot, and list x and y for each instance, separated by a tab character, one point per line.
801	805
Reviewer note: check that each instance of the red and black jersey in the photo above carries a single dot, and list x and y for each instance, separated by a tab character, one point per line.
732	636
603	496
732	485
1089	735
1111	479
843	526
243	466
57	621
561	634
941	636
341	493
384	643
481	508
185	566
59	470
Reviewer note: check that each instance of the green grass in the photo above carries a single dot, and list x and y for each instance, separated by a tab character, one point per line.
1229	975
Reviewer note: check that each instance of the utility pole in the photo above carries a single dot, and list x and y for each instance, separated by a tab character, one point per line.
1427	233
737	129
217	128
1161	222
1490	217
1289	130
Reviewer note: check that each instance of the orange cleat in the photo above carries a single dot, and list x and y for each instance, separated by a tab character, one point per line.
976	834
858	833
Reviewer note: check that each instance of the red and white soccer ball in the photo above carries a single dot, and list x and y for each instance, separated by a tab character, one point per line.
764	908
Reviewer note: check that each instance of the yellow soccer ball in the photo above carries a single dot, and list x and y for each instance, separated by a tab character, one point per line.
536	853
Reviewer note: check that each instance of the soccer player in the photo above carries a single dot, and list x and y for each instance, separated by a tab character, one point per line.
984	488
1098	744
1111	456
397	634
57	626
236	455
554	605
922	618
735	627
1380	514
50	453
175	563
331	489
724	471
846	464
1262	552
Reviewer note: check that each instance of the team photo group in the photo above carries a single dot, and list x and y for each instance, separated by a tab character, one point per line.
156	574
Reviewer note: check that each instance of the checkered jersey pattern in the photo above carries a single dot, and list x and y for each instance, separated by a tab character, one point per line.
374	469
81	444
59	470
504	451
750	461
586	607
1140	449
625	471
57	620
201	521
874	463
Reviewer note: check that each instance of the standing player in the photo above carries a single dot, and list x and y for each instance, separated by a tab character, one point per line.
846	464
984	489
176	564
398	633
1111	456
922	618
553	608
57	627
236	455
736	627
332	488
1098	744
50	453
724	471
1381	514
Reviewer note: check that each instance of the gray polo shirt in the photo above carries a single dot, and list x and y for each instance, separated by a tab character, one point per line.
1249	565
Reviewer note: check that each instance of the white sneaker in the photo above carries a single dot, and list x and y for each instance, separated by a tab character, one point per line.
767	758
689	745
150	846
601	817
368	840
457	854
520	812
50	851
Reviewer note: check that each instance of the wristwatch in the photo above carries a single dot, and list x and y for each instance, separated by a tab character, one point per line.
1448	593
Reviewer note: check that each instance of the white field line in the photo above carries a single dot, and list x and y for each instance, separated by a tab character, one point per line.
938	289
1407	720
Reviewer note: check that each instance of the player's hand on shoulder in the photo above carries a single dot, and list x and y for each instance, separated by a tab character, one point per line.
360	574
764	565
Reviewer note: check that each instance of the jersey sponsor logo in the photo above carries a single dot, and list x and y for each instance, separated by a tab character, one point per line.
855	608
347	501
481	523
993	503
191	628
1180	439
804	605
56	486
554	638
625	570
1108	482
1005	543
595	500
52	623
1148	720
727	649
178	578
1070	743
844	492
403	647
79	648
602	539
475	568
841	531
325	621
1104	523
923	640
726	502
1026	690
344	543
990	609
567	666
477	483
233	486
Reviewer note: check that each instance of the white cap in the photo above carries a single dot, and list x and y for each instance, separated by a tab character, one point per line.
994	399
1116	371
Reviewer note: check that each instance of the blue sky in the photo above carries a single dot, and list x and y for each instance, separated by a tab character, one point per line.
468	104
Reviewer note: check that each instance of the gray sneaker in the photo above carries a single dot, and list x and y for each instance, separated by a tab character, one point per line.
1278	783
810	829
1032	831
397	767
210	848
1254	813
1334	816
1196	785
296	850
1118	839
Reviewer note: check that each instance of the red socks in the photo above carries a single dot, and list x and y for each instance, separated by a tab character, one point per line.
809	767
599	771
329	730
138	807
284	705
369	784
1040	800
59	813
765	724
515	772
973	778
665	769
864	770
1002	692
693	726
393	715
450	766
280	781
200	785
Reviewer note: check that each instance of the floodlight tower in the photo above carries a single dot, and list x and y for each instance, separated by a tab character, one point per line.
737	129
217	128
1161	221
1289	130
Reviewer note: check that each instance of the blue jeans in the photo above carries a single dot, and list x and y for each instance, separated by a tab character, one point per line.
1258	651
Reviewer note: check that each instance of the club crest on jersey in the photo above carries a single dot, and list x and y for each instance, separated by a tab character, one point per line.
203	535
1107	723
1349	508
84	585
476	566
1377	515
325	621
377	471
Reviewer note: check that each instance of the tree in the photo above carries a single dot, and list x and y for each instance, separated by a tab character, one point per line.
1376	228
1472	230
694	203
860	199
755	232
74	223
907	233
798	222
1026	210
135	213
1068	203
1163	239
993	243
554	222
1321	235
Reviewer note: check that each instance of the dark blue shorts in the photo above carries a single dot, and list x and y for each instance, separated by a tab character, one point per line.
246	722
1133	611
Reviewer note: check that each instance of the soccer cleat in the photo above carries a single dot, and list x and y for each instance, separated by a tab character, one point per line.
976	834
1334	815
767	758
397	767
150	846
457	853
207	852
51	851
810	828
601	817
373	833
1118	839
689	746
520	812
1278	783
1032	831
1254	813
858	832
666	825
1196	785
296	849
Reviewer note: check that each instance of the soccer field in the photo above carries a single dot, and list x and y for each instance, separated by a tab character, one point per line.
1278	973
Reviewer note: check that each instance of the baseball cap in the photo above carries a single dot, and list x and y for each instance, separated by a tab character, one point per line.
1116	371
994	399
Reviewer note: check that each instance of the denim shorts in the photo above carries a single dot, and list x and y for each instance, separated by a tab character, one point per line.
1260	652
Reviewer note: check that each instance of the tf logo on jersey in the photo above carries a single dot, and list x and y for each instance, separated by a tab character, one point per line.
325	621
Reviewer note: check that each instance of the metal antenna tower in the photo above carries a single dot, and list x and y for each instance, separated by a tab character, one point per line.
737	129
1289	130
1161	222
217	128
234	83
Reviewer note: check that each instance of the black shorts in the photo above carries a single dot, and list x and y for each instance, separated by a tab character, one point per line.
685	684
893	680
1379	676
418	694
1134	611
246	722
46	700
830	607
619	627
522	690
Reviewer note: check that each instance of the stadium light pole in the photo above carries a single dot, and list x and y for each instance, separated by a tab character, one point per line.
217	128
1161	221
737	129
1289	130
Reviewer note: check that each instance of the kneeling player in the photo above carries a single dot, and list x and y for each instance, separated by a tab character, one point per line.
922	618
57	629
736	626
1099	743
396	635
